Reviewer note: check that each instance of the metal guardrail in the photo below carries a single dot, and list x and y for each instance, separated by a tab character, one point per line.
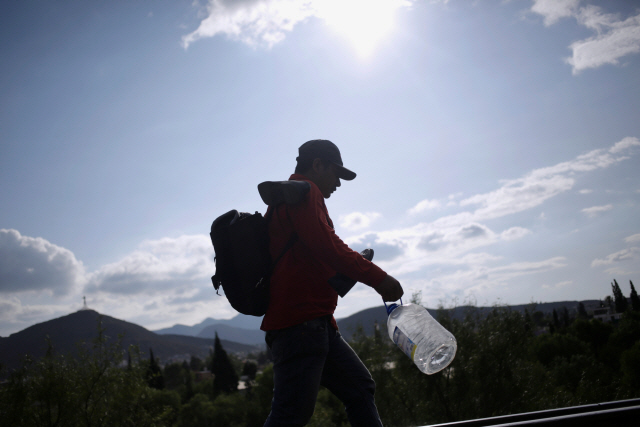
621	413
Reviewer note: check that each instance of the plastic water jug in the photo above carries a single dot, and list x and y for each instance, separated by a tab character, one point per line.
426	342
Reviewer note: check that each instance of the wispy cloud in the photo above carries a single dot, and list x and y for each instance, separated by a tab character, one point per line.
558	285
424	206
450	238
623	255
476	277
596	210
633	239
358	220
614	37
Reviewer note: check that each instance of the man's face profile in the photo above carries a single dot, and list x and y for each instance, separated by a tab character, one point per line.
325	178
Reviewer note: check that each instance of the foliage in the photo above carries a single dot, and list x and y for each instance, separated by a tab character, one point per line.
507	362
93	389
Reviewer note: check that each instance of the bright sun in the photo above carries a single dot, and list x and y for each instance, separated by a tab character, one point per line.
363	22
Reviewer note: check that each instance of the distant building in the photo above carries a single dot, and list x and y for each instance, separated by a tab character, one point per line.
606	314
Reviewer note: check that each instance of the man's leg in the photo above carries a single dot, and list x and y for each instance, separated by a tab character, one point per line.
346	376
299	354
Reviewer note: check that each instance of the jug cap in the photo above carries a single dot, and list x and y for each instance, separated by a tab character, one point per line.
391	307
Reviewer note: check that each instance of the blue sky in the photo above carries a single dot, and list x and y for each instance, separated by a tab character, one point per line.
496	145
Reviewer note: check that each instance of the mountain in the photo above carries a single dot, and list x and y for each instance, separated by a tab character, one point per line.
64	332
230	333
239	321
366	319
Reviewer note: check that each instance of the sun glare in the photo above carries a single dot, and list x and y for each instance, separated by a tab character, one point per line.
363	22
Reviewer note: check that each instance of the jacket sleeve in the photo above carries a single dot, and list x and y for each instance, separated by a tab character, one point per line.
310	222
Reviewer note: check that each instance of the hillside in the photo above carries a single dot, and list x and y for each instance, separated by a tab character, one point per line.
368	317
230	333
64	332
239	321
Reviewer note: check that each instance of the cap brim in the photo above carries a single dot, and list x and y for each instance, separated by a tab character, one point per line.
344	173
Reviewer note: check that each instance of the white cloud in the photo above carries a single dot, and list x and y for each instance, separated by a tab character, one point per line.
596	210
514	233
253	22
533	189
621	39
35	264
358	220
158	265
559	284
585	191
384	249
624	144
623	255
424	206
266	22
554	10
447	240
614	38
633	239
480	279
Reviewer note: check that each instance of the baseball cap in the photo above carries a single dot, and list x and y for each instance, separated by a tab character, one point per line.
326	150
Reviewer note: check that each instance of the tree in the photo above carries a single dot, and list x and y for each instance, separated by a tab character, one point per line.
566	318
582	312
556	321
196	364
154	373
225	378
635	301
619	300
250	369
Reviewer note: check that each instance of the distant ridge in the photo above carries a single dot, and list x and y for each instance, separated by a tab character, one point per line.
241	335
239	321
368	317
236	329
82	325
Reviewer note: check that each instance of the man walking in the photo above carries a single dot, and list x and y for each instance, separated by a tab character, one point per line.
308	350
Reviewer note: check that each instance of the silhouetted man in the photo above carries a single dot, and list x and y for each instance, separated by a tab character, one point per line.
308	350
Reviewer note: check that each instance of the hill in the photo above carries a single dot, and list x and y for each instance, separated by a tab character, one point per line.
230	333
64	332
239	321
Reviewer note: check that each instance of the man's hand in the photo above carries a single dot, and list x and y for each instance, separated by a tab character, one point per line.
390	289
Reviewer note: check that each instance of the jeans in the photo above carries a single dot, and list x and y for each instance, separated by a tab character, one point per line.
311	354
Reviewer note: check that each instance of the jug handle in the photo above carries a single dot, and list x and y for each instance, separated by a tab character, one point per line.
387	307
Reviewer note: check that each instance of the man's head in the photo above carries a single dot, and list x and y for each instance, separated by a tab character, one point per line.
320	161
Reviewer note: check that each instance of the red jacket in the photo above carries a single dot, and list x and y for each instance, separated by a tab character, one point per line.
299	287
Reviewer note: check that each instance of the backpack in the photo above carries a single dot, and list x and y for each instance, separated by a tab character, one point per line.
241	243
